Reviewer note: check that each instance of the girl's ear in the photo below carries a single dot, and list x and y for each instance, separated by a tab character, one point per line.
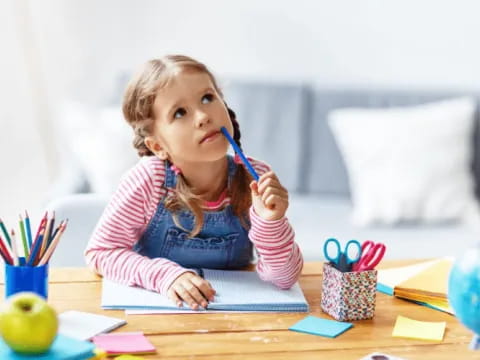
155	147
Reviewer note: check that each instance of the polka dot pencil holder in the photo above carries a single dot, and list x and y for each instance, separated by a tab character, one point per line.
348	296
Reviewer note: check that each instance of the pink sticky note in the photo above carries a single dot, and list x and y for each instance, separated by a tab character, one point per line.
124	343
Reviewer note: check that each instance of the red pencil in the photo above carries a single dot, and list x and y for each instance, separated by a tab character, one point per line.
32	256
5	253
14	249
44	219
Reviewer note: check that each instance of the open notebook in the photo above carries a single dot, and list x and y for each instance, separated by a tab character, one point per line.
236	291
425	283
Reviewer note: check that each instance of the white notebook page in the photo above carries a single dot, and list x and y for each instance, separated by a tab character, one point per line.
233	288
83	326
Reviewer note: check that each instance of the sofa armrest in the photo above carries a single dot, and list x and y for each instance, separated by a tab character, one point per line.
82	212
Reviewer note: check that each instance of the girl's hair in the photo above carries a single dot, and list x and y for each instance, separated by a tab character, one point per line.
138	103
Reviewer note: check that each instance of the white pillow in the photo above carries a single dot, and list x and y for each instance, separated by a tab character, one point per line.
408	164
101	140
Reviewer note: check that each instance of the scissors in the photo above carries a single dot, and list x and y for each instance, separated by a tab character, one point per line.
342	261
372	254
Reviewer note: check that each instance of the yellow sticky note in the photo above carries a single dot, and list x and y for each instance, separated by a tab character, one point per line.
423	330
99	354
128	357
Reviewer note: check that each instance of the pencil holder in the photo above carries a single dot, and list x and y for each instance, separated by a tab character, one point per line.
26	278
348	296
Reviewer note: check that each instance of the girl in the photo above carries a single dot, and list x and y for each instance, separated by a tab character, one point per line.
188	205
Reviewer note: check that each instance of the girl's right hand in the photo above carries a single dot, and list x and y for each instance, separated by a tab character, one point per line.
192	289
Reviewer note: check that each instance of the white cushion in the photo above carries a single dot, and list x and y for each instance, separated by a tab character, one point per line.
408	163
316	218
101	140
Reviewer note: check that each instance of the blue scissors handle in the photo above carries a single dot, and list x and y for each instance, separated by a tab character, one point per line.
343	261
336	258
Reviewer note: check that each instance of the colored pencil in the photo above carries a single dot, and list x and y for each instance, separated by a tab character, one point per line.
4	257
37	239
24	239
52	230
5	232
48	254
2	240
7	246
55	233
5	253
40	226
35	248
29	230
46	238
14	249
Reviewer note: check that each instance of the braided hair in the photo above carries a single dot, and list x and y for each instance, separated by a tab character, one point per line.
240	197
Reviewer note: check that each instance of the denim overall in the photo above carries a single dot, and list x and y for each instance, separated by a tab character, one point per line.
221	244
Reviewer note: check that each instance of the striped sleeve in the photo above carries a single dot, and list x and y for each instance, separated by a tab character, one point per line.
109	251
280	260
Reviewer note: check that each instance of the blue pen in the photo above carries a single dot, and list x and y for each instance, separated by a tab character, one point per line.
240	153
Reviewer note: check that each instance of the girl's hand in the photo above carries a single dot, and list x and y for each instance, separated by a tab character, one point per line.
192	289
269	197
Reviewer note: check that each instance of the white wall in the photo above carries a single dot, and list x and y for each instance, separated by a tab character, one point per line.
357	43
78	47
24	171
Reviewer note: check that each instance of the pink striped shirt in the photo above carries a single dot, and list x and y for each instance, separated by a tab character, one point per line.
110	249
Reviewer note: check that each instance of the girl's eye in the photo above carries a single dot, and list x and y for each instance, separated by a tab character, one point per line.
207	98
179	113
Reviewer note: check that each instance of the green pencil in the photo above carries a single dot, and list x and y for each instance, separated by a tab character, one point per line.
5	232
24	240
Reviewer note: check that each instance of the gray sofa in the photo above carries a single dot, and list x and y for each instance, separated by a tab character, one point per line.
285	125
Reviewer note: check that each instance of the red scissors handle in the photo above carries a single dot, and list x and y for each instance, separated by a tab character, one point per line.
372	254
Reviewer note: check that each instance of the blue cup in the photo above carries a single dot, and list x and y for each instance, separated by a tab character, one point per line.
26	278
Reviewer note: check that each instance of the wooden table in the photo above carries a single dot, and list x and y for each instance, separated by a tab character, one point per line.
265	336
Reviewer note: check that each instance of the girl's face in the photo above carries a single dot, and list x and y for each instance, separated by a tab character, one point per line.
189	113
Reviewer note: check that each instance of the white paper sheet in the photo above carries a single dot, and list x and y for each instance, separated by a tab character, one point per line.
83	326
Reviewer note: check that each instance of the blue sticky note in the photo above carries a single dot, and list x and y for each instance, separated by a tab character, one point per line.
385	289
63	348
323	327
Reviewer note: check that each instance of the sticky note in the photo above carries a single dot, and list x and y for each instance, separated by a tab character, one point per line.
414	329
63	347
99	354
124	343
323	327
